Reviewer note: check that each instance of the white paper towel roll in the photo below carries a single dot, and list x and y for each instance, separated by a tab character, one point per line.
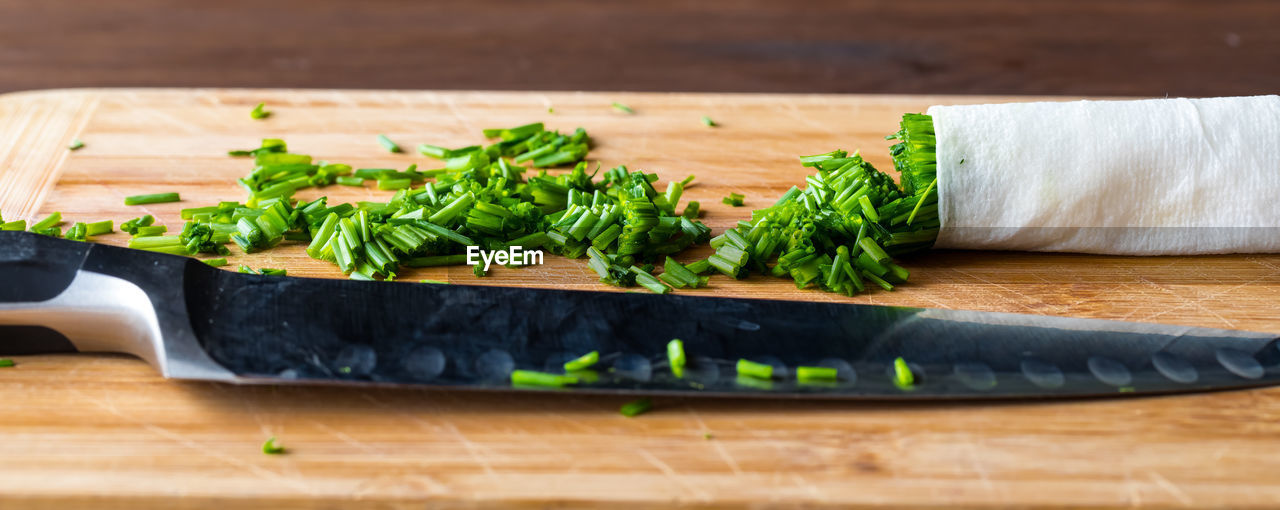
1148	177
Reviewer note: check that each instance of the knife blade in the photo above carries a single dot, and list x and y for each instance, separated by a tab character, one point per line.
192	321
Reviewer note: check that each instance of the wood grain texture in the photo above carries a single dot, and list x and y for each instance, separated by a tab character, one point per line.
1134	47
106	430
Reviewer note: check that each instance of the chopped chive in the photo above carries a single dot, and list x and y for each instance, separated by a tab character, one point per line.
272	447
348	180
902	376
675	355
623	108
542	379
17	225
6	363
99	228
154	198
216	262
75	145
259	112
387	144
437	282
706	121
752	369
815	374
734	199
151	230
582	362
49	221
636	407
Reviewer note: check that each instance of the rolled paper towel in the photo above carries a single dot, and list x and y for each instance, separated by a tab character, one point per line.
1146	177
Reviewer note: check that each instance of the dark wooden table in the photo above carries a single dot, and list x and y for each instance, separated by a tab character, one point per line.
1107	47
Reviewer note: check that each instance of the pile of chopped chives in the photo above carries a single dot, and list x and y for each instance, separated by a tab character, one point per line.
479	197
838	234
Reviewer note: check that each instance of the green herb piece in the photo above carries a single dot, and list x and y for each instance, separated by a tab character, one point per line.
623	108
734	199
216	262
752	369
77	232
349	181
706	121
131	227
636	407
6	363
531	378
707	436
902	376
17	225
48	222
676	357
582	362
272	447
691	210
75	145
387	144
153	230
99	227
648	281
437	282
153	198
259	112
815	374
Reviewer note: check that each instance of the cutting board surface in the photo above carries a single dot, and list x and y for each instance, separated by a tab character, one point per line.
82	427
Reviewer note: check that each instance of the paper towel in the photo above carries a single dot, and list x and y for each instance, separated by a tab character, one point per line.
1146	177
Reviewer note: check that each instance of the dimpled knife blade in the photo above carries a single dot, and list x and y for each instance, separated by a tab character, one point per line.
195	322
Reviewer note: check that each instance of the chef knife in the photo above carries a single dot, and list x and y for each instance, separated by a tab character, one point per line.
191	321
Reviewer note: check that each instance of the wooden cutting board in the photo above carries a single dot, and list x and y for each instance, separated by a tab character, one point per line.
106	431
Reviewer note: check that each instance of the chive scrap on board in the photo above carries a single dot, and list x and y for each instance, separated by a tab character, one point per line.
706	121
100	227
6	363
734	199
623	108
272	446
216	262
75	145
387	144
636	407
48	222
153	198
582	362
259	112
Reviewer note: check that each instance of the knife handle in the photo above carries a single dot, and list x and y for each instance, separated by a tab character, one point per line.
49	304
